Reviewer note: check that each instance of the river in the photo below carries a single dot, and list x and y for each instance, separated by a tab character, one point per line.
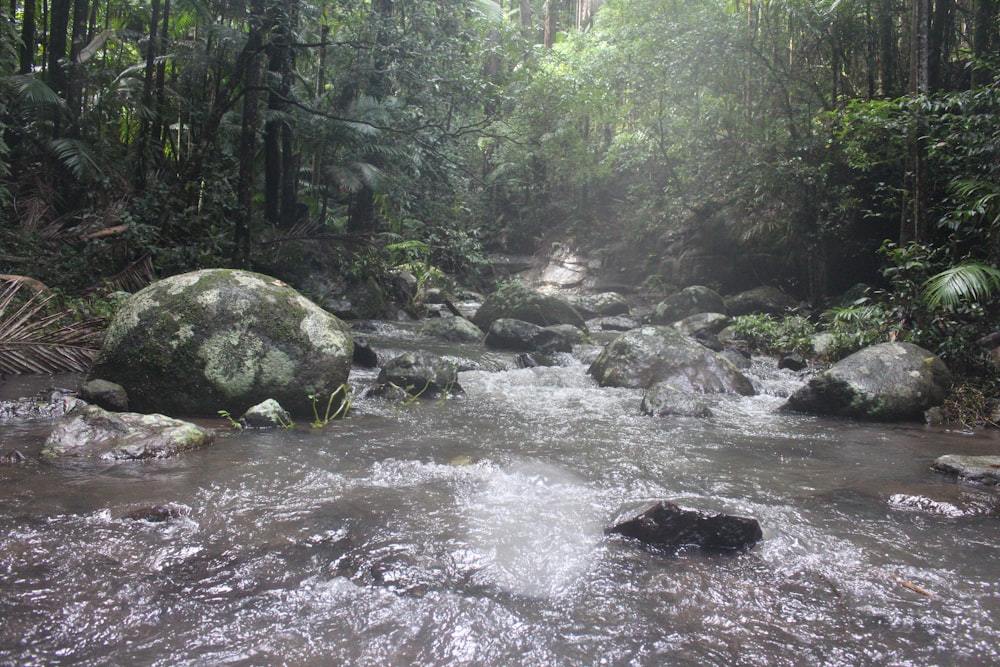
470	531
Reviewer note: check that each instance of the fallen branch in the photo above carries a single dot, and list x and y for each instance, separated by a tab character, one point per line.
907	584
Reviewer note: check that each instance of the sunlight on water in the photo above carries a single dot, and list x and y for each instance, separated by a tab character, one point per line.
535	526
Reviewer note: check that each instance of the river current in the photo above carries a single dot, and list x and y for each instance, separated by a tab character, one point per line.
470	531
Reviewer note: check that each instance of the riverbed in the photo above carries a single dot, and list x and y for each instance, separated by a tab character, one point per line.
470	531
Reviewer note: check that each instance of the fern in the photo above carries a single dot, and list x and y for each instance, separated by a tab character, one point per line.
969	281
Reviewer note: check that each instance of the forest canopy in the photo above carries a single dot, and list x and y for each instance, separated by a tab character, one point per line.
140	139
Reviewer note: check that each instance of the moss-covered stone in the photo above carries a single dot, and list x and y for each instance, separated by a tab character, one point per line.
517	301
223	339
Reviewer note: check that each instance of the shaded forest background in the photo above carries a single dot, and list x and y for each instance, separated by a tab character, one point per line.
820	143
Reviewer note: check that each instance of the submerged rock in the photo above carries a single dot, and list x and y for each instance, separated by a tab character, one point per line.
196	342
979	469
667	527
888	381
50	404
92	432
642	357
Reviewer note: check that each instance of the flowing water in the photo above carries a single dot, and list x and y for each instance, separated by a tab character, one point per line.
471	532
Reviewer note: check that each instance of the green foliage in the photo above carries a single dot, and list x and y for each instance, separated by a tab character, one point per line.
769	334
863	323
339	397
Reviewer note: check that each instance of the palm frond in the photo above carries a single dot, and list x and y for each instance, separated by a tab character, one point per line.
969	281
78	157
34	340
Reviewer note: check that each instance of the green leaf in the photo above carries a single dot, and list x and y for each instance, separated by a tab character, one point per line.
969	281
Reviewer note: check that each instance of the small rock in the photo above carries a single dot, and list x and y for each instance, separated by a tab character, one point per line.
664	400
667	527
267	414
364	355
154	514
791	362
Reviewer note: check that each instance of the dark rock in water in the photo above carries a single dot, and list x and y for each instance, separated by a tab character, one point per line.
979	469
108	395
667	527
364	355
517	335
532	360
154	514
92	432
50	404
421	375
792	362
888	381
12	457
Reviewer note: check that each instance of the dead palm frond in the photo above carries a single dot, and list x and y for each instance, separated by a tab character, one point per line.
34	339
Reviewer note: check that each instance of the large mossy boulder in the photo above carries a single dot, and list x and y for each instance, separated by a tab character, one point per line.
885	382
517	301
200	342
643	357
689	301
92	432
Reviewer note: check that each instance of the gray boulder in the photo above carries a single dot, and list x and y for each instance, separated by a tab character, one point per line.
510	334
194	343
107	395
702	324
888	382
763	299
605	304
516	301
665	400
267	414
452	329
689	301
642	357
420	375
980	469
49	404
92	432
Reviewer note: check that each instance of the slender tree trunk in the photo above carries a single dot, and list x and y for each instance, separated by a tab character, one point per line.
939	37
887	49
919	84
525	14
159	107
59	13
28	38
74	91
252	95
984	37
142	141
549	37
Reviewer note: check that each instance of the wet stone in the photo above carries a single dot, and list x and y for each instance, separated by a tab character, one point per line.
979	469
667	527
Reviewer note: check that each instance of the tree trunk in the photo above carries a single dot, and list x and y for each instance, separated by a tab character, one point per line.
159	110
887	49
939	37
59	12
919	85
984	37
549	37
243	227
74	90
142	141
28	37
